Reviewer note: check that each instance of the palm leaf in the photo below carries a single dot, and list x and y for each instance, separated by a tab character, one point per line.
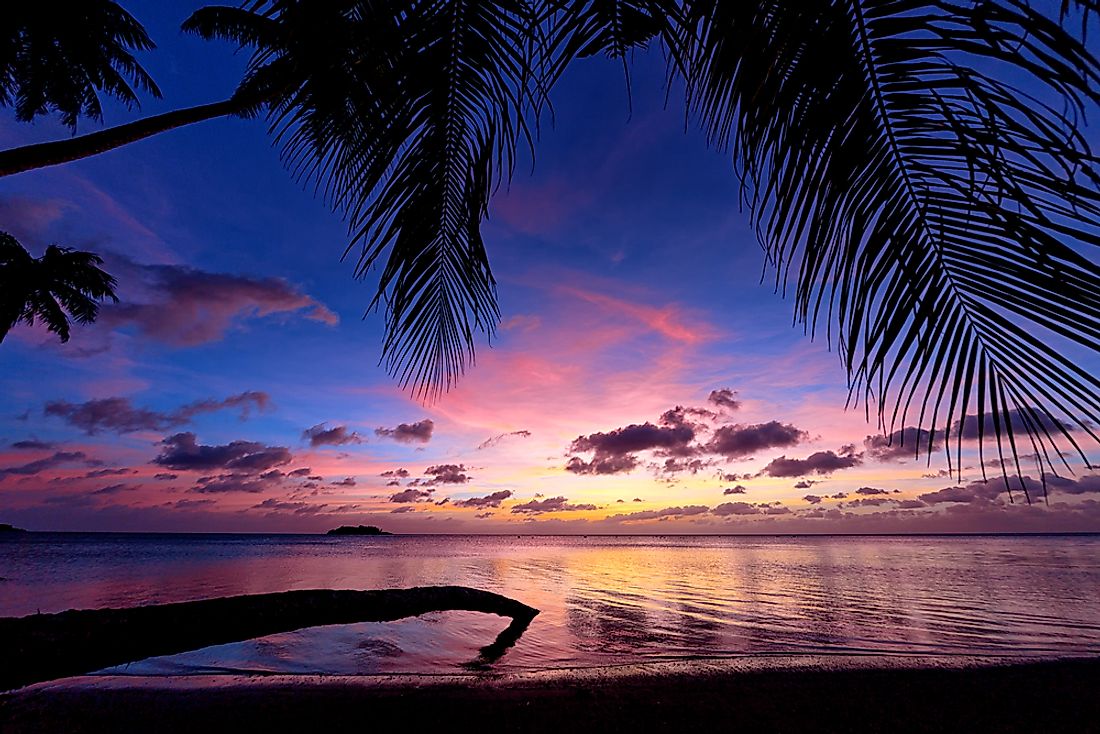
60	57
919	164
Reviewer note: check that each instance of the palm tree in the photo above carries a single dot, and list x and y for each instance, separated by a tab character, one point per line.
919	165
55	59
61	285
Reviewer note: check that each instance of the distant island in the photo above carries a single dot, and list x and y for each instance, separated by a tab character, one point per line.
5	528
357	530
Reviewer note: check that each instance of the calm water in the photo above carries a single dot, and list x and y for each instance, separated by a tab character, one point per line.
603	600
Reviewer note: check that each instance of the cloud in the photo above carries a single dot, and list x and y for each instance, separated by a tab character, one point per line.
400	510
899	445
494	440
974	492
553	504
736	508
58	458
181	451
601	465
345	482
491	500
419	432
412	495
243	481
120	416
813	499
186	307
396	473
114	489
871	491
666	512
805	484
319	435
724	398
734	490
739	441
447	474
634	438
165	477
819	462
32	444
987	491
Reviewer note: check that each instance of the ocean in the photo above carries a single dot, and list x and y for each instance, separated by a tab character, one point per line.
603	600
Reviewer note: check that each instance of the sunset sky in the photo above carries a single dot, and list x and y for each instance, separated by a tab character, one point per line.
644	379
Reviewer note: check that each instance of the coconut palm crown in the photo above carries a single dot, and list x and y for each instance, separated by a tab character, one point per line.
63	285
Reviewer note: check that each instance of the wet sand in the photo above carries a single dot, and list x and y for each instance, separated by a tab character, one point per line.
750	694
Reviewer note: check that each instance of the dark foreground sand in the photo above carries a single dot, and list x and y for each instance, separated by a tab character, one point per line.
1061	696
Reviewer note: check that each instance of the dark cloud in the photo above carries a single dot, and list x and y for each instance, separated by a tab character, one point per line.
185	307
303	472
1088	484
736	508
871	491
419	432
181	451
114	489
724	398
739	441
899	445
494	440
734	490
910	504
319	435
634	438
777	510
165	477
32	444
412	495
666	512
58	458
396	473
683	416
602	465
813	499
345	482
673	465
120	416
99	473
553	504
819	462
491	500
805	484
483	515
447	474
230	482
399	510
869	502
974	492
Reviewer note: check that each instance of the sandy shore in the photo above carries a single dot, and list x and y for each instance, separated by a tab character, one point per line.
774	694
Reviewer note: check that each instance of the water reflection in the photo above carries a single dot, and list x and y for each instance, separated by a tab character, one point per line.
603	600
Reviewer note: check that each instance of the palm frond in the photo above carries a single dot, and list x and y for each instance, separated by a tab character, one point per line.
920	165
406	116
60	58
61	285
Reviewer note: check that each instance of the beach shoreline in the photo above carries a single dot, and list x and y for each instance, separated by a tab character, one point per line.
775	693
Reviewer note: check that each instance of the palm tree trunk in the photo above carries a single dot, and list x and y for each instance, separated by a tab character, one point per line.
41	155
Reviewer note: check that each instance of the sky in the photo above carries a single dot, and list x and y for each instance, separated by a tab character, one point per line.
645	377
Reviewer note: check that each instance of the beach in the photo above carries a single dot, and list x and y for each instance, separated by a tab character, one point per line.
793	695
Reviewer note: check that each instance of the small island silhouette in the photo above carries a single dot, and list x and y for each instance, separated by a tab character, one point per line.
357	530
6	528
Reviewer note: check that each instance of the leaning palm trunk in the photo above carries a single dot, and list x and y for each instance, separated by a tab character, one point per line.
42	647
42	155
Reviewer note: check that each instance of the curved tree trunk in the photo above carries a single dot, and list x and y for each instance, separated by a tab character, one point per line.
42	647
41	155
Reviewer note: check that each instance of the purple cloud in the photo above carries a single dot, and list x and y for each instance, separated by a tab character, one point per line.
491	500
553	504
739	441
183	452
119	414
319	435
186	307
819	462
419	432
724	398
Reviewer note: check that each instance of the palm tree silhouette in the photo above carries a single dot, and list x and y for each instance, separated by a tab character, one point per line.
918	165
61	285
